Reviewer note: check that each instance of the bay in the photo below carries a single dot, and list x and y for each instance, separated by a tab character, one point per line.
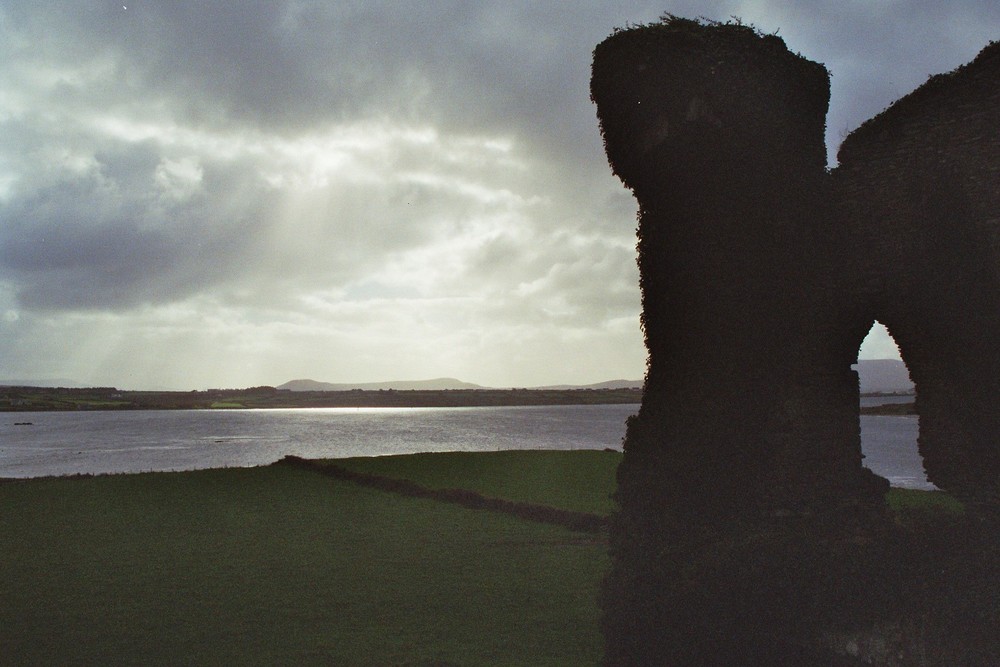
36	444
63	443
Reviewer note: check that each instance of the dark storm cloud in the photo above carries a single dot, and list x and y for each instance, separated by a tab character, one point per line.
515	66
290	65
109	238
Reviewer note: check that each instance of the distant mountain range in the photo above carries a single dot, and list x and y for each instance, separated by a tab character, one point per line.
610	384
886	376
437	384
883	376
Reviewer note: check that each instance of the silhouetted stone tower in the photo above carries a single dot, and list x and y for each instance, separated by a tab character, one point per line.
742	496
919	187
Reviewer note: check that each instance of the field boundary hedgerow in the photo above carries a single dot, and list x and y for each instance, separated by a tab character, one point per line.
577	521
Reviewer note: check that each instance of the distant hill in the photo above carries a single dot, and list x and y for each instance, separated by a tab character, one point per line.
436	384
610	384
884	376
439	384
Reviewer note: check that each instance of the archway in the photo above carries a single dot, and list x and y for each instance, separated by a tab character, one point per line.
888	417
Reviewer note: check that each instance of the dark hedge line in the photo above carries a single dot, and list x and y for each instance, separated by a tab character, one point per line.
578	521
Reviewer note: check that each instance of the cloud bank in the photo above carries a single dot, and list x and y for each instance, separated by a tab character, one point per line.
228	194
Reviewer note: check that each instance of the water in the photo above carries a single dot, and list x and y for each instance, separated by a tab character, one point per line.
60	443
889	444
869	401
890	448
63	443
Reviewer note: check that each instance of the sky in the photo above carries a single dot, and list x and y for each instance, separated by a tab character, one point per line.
232	194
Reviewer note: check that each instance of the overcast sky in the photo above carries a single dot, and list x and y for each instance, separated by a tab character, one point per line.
227	194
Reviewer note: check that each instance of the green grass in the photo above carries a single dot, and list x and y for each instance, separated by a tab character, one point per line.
575	480
910	503
280	566
581	481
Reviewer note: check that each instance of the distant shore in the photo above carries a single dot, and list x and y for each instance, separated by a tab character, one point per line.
30	399
894	405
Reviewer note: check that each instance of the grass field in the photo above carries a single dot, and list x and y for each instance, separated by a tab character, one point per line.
278	566
281	565
580	481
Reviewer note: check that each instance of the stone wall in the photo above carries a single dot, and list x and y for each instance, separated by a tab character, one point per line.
919	187
742	496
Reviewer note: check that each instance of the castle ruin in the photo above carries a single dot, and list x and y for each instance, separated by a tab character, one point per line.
748	528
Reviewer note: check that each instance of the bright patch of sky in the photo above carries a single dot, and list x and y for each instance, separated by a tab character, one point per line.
879	344
229	194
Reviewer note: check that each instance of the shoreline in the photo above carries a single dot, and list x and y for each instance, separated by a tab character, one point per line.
46	399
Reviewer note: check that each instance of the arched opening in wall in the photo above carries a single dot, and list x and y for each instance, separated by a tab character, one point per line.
889	422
